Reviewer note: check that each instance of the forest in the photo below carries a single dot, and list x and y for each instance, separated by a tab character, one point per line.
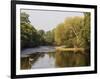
73	32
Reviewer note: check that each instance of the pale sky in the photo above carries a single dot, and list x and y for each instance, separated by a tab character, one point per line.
47	20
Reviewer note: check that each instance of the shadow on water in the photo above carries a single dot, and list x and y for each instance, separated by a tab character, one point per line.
26	62
71	59
56	59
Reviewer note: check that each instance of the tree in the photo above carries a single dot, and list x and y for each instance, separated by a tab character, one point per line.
41	34
68	32
75	26
24	18
59	35
49	37
29	36
86	30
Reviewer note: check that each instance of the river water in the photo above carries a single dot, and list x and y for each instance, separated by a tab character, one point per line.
48	57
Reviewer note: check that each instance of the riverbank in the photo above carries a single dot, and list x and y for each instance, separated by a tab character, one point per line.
28	51
44	49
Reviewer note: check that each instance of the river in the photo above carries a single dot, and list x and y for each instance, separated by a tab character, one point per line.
48	57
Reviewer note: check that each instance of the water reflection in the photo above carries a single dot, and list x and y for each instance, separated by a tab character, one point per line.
71	59
26	62
55	60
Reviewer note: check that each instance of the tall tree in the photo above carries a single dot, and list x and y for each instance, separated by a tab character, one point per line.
59	35
29	36
86	29
49	37
68	32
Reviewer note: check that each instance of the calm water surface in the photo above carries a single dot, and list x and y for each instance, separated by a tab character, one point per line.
48	57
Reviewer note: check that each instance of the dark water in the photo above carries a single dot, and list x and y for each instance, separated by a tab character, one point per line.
56	59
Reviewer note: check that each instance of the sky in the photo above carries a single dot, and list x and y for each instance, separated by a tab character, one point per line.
48	20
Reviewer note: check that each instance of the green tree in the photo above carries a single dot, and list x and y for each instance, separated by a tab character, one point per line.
49	37
68	32
59	35
41	34
24	18
74	25
29	36
86	30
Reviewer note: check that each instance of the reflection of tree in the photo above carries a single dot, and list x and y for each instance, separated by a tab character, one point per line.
51	54
70	59
27	62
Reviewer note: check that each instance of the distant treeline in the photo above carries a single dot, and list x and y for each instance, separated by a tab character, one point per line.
73	32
